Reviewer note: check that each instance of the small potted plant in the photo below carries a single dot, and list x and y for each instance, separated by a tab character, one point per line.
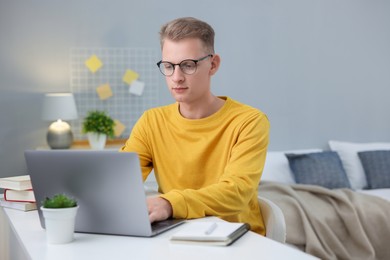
98	126
60	216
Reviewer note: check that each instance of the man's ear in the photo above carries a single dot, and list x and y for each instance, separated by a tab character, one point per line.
215	62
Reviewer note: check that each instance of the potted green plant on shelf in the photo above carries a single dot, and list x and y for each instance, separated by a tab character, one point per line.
98	125
59	213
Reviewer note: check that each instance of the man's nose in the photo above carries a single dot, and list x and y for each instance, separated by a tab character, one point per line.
178	74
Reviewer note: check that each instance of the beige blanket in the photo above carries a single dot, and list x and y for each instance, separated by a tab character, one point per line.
333	224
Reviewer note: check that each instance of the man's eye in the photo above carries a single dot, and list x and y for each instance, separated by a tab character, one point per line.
187	65
167	66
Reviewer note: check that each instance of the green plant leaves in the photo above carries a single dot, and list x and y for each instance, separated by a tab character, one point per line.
99	122
59	201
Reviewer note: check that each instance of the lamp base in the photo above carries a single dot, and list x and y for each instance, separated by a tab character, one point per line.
59	135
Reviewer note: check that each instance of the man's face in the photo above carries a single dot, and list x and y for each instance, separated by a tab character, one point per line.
188	88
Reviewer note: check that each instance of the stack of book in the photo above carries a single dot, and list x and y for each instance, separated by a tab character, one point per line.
18	193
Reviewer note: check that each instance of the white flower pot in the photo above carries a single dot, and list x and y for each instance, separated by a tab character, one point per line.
59	224
97	141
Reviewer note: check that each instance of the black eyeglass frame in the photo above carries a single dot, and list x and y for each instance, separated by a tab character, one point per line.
179	64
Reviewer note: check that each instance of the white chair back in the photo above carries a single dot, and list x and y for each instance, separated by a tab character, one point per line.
274	222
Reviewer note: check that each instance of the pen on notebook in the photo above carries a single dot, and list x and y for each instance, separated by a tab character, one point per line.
211	229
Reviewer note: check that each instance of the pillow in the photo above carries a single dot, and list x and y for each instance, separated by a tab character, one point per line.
323	169
276	166
352	165
376	165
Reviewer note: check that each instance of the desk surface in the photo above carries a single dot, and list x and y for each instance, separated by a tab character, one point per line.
31	236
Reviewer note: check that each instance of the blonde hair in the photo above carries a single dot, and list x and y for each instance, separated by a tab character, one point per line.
188	27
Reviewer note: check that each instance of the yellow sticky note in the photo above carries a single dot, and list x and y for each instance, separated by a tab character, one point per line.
93	63
118	128
104	91
130	76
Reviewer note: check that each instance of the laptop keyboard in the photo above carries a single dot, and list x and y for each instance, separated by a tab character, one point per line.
164	225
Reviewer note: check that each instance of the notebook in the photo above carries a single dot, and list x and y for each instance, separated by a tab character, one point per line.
210	233
107	185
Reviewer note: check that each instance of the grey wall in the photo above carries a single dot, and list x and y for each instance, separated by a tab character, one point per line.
319	69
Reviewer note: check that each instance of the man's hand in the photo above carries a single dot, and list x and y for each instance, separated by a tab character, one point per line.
159	209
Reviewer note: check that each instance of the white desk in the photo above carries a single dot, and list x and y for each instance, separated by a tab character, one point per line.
26	229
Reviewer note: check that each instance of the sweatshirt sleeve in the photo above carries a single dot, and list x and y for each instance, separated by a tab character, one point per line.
137	143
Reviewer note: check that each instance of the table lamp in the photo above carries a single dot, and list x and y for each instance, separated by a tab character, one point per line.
59	106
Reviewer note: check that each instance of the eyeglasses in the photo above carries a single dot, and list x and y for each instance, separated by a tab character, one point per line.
187	66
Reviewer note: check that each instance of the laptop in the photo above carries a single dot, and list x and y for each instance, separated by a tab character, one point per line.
107	185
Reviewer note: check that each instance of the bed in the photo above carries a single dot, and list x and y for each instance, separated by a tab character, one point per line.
336	202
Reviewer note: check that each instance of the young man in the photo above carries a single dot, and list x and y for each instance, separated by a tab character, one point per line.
207	152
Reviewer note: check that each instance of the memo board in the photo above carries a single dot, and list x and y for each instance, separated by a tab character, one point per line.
122	105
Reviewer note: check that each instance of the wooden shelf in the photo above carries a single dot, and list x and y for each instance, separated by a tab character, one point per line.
111	143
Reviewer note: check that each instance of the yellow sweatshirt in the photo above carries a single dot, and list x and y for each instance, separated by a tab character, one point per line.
205	167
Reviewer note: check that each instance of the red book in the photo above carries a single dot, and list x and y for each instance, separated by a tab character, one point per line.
19	195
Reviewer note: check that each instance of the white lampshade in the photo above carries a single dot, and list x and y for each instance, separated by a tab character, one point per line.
59	106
